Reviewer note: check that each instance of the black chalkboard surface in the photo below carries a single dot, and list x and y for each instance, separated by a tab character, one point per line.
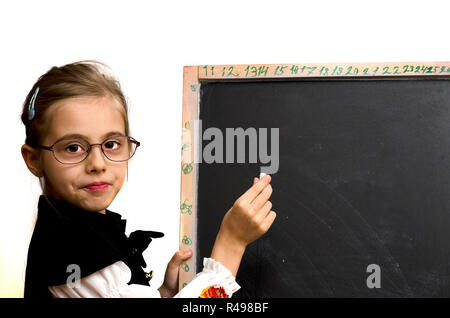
364	178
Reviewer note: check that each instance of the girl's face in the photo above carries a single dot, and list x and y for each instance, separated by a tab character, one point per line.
93	118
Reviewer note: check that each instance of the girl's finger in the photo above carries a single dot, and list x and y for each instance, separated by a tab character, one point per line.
179	257
268	221
255	189
264	211
262	198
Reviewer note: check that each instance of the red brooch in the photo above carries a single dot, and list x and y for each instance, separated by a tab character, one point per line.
213	292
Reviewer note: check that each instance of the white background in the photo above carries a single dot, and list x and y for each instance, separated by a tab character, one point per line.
147	43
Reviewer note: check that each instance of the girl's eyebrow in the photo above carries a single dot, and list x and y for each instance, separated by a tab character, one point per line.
111	133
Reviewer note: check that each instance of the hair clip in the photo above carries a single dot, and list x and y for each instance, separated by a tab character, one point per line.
31	110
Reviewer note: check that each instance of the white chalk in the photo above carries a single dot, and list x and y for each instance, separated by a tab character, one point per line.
261	175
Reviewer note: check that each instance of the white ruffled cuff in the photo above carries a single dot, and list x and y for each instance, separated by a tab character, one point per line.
214	274
222	274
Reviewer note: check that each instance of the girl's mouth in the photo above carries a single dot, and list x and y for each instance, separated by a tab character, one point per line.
97	186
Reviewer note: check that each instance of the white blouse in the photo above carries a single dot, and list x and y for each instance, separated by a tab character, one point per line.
112	282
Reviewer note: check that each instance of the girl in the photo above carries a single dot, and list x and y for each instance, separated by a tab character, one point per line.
78	144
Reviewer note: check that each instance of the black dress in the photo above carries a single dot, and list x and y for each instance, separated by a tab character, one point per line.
66	235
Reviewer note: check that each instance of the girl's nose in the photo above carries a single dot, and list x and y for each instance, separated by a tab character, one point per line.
96	160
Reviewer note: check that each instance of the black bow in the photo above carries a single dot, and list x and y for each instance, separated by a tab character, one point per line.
139	241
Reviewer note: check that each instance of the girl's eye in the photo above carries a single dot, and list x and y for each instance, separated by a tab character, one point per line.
73	148
112	145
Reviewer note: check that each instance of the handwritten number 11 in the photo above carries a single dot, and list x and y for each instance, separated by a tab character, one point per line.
206	70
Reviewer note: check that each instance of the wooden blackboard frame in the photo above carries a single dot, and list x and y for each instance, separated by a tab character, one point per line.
194	76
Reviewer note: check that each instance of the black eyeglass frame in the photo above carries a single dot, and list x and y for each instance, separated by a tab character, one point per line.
130	139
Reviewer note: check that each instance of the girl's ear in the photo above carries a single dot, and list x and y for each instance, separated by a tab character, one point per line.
31	157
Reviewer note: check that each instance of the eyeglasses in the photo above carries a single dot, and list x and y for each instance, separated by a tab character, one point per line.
75	150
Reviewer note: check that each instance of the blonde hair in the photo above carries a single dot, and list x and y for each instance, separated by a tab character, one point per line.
88	78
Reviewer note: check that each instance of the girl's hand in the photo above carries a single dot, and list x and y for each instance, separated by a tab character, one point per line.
170	286
248	219
251	215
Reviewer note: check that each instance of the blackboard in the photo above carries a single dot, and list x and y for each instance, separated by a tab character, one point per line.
363	178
